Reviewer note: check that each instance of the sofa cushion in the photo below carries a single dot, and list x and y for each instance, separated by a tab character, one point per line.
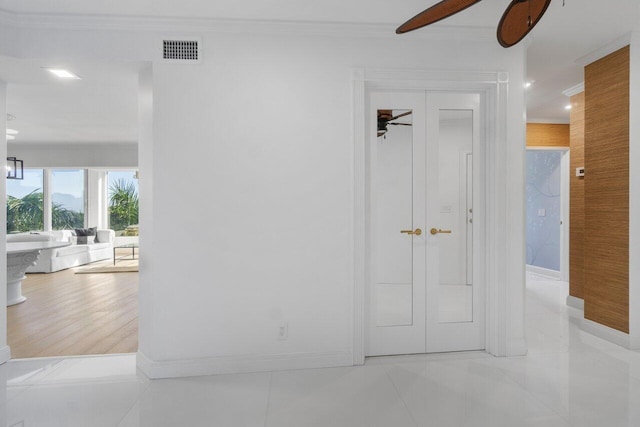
105	236
29	237
61	235
97	246
73	249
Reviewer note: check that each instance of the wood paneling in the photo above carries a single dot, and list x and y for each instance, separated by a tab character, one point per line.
576	199
606	232
547	135
75	314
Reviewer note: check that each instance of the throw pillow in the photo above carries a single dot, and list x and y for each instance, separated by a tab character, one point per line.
86	236
95	233
84	240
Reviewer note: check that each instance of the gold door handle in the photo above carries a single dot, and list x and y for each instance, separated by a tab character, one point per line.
439	231
417	231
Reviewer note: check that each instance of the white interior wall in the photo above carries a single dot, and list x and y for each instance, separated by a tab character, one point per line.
278	156
257	228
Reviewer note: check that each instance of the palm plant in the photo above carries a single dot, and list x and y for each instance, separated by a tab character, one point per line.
63	218
26	213
123	204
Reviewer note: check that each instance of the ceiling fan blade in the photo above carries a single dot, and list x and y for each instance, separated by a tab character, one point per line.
435	13
519	19
401	115
385	114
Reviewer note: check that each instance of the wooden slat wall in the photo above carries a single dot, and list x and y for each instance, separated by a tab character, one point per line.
606	238
547	135
576	199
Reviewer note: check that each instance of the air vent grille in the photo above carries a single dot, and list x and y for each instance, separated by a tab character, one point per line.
180	50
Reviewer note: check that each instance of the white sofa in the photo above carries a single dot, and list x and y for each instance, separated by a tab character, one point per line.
51	260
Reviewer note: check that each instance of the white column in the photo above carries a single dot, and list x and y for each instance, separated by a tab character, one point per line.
148	341
46	200
5	353
97	199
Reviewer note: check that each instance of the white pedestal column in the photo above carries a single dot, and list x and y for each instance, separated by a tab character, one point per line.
17	264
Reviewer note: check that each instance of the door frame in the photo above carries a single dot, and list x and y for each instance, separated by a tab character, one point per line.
504	200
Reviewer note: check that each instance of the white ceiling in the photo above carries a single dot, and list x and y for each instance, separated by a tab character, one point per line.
102	108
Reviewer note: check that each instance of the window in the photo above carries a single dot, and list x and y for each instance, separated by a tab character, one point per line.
67	198
123	202
25	206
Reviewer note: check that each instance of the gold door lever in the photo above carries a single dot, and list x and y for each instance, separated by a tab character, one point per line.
417	232
439	231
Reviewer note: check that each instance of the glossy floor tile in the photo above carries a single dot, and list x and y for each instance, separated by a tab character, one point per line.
569	378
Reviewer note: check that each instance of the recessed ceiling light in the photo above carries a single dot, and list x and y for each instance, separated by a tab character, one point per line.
10	137
567	107
528	84
12	131
63	74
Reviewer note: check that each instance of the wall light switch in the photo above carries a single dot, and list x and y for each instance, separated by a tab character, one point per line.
542	212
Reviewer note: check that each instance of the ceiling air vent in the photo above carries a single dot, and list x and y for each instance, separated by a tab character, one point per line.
181	51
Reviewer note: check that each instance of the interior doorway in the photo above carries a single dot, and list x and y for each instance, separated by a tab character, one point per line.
78	302
547	212
425	185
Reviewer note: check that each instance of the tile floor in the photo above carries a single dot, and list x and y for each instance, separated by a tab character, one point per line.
569	378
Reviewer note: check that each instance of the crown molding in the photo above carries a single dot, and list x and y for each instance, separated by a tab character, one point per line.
574	90
605	50
548	121
234	26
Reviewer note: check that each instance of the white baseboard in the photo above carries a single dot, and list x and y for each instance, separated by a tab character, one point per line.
5	354
553	274
575	302
240	364
606	333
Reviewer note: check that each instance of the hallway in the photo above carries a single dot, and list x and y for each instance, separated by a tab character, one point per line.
569	378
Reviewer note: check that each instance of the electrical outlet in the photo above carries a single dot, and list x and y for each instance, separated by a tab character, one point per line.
283	330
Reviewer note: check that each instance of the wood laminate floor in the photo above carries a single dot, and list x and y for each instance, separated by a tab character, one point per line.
75	314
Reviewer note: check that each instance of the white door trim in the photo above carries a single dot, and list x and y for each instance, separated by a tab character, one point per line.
504	250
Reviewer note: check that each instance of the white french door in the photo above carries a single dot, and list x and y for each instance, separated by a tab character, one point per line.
423	294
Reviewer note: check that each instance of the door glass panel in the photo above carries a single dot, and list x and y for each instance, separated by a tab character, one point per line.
455	184
393	291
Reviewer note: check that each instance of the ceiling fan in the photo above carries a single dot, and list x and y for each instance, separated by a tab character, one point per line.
386	118
517	20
